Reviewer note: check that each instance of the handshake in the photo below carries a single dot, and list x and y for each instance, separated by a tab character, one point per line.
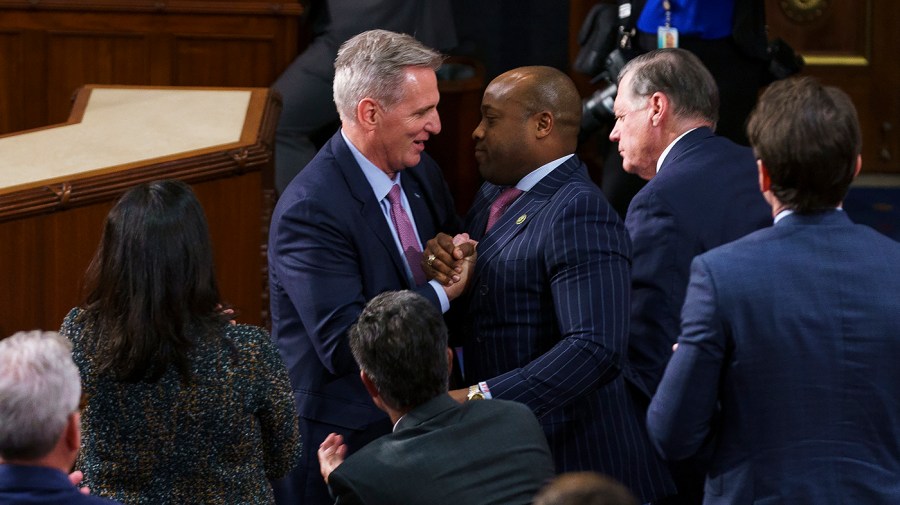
450	261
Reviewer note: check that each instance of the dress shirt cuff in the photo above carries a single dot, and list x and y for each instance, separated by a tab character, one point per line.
441	294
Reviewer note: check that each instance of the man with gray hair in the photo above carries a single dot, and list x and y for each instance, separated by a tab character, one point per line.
350	226
702	193
40	430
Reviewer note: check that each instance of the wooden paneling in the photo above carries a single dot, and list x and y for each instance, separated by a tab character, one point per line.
49	229
222	61
49	48
11	66
852	45
45	257
837	28
74	59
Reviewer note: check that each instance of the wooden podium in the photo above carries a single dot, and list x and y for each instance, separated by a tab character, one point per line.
58	183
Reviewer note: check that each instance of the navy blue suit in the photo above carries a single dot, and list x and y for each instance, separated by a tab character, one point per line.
788	355
39	485
331	251
548	324
706	194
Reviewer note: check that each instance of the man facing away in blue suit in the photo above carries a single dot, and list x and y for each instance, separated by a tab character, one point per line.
791	335
350	226
546	316
40	425
440	452
702	193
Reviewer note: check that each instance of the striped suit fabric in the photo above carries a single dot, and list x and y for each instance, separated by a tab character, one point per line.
547	324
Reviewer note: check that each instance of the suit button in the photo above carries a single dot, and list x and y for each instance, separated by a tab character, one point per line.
483	290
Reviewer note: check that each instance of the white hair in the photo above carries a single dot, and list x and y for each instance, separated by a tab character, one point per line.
372	64
39	388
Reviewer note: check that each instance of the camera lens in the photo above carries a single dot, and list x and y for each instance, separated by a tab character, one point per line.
597	110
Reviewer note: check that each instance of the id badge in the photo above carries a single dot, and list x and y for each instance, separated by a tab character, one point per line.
666	36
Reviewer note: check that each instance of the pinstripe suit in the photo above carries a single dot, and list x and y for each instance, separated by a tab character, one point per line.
547	324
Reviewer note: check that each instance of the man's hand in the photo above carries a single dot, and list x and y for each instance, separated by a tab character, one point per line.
460	395
443	255
75	478
467	266
331	454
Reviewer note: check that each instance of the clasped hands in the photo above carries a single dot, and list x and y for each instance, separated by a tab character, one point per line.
450	261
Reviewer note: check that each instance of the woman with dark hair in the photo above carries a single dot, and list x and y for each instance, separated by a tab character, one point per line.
182	406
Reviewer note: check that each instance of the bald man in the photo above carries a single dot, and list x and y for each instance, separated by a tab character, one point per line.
546	315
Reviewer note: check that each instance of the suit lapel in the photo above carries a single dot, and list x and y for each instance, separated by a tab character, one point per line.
369	208
517	217
476	221
418	202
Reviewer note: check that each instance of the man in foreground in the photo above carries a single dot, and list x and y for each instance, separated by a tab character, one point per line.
350	226
40	430
440	452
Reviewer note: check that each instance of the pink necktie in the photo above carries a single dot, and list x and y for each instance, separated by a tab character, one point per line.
506	198
407	235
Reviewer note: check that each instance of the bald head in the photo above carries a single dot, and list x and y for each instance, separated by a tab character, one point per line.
530	116
585	488
540	89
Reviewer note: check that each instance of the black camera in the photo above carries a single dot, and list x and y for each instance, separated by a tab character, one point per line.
605	49
597	110
783	61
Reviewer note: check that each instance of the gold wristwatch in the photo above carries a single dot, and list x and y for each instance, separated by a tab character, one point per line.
475	393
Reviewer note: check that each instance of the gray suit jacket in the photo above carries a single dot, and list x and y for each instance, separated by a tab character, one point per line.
477	453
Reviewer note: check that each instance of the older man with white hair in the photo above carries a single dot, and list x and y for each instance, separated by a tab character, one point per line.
40	429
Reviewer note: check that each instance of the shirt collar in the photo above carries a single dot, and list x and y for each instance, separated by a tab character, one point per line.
665	153
535	176
787	212
380	182
783	214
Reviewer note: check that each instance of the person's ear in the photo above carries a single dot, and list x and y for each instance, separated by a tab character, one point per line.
72	433
369	385
544	124
372	389
659	106
449	361
367	113
765	182
858	165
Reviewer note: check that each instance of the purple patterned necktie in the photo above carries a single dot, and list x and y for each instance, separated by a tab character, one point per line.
407	235
506	198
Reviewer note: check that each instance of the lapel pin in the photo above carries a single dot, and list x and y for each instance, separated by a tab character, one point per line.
522	219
